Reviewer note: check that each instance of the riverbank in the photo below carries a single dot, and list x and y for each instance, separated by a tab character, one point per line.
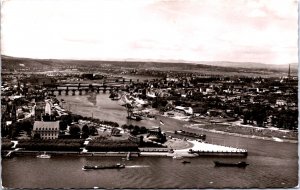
184	150
235	133
174	123
238	129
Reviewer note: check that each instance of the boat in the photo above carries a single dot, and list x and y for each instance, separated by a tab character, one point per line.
238	164
113	166
134	117
177	157
186	162
43	155
128	156
189	134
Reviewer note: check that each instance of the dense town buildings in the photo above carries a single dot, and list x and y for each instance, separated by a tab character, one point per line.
258	101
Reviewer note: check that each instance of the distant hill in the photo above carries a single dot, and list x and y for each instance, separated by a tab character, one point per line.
14	63
294	66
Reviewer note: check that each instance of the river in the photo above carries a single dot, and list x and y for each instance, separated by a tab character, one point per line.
272	164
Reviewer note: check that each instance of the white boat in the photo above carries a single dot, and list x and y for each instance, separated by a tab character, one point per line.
43	155
177	157
128	156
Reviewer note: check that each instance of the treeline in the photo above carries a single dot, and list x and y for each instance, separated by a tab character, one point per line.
14	129
284	118
151	144
104	145
135	129
6	144
51	145
68	119
256	131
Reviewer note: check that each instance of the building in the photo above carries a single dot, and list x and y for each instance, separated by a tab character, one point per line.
46	130
40	80
281	102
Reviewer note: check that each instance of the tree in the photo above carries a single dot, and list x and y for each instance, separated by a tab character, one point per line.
36	136
143	130
63	125
85	131
46	117
76	118
67	119
93	130
136	130
74	131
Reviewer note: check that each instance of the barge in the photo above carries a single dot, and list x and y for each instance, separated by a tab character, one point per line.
223	164
189	134
99	167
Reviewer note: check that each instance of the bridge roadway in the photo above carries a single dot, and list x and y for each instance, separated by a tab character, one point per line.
81	87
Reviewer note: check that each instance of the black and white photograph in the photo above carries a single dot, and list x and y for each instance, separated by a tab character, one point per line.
149	94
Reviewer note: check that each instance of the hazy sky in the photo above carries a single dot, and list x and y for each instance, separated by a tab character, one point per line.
192	30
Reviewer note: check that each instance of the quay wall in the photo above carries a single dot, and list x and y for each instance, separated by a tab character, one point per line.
124	154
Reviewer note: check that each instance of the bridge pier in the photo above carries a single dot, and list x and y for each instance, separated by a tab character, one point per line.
98	90
73	92
80	92
59	92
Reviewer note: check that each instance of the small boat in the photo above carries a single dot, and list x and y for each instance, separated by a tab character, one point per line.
239	164
43	155
134	117
128	156
186	162
113	166
177	157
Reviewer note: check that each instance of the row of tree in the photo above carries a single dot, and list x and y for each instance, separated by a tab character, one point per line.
49	146
135	129
6	145
12	131
110	145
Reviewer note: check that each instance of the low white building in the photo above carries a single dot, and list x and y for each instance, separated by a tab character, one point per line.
281	102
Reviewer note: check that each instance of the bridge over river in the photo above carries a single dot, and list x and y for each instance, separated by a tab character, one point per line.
124	85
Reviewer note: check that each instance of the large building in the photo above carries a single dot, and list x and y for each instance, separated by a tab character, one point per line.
46	130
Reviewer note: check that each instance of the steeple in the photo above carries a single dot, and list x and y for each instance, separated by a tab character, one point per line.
289	74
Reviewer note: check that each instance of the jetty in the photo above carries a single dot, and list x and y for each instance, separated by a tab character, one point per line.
199	149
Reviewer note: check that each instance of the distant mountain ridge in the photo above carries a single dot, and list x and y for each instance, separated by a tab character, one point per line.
251	65
17	63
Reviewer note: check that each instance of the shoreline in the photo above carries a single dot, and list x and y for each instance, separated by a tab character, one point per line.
275	139
199	126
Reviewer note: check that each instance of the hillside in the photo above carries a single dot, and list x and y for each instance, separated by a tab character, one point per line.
13	63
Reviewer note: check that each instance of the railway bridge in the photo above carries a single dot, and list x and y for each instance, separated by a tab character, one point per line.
72	88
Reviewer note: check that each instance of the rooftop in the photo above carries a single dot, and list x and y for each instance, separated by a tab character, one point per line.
48	125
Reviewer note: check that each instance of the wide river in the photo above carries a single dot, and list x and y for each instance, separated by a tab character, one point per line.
272	164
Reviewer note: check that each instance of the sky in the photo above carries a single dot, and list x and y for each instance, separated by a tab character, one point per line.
264	31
